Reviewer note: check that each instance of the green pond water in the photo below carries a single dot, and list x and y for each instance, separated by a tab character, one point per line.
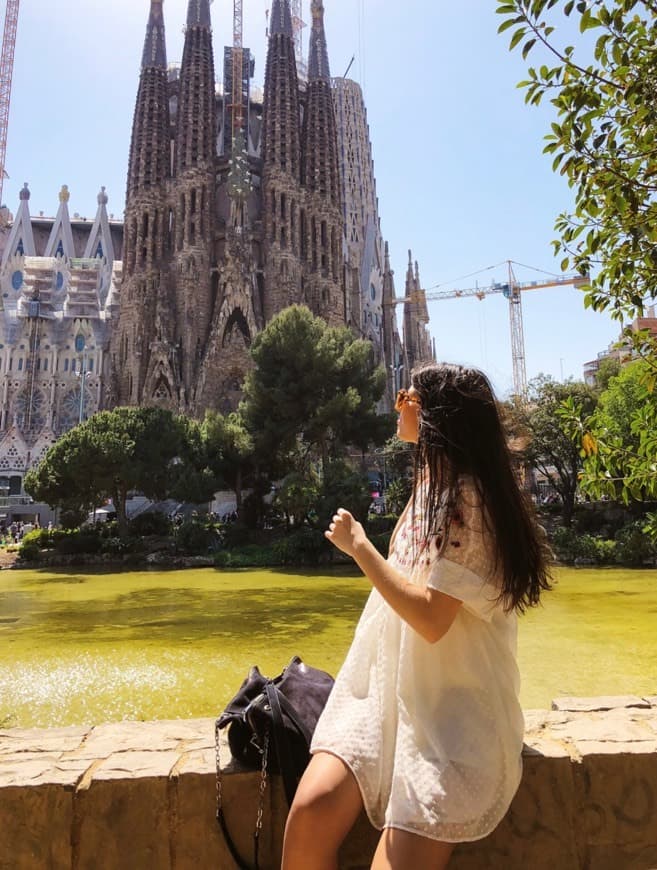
82	648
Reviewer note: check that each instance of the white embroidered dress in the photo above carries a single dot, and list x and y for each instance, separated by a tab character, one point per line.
433	732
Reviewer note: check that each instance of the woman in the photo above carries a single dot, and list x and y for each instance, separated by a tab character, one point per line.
424	728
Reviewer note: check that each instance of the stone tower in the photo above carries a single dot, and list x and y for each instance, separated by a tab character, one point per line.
417	341
193	198
283	200
142	340
323	222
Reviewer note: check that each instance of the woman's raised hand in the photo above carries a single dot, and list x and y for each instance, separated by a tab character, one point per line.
345	532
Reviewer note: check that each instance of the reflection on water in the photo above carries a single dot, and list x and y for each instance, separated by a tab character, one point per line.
89	648
92	648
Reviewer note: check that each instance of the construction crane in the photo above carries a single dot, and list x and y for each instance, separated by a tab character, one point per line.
237	106
511	290
6	76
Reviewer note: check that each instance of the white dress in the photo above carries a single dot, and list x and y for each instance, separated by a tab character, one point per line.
433	733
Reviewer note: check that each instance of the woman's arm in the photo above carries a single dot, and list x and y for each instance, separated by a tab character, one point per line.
427	611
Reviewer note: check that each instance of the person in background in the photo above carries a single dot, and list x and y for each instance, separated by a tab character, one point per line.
423	728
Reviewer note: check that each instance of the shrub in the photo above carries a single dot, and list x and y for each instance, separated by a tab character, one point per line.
30	551
194	538
305	546
41	537
250	556
150	523
74	543
634	547
235	535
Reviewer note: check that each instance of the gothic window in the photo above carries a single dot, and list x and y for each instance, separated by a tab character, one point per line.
17	280
74	405
59	281
99	250
20	364
60	249
66	365
45	364
30	410
20	248
90	364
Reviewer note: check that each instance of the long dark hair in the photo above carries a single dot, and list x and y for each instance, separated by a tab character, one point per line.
461	433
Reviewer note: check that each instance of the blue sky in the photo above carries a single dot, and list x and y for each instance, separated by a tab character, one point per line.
460	174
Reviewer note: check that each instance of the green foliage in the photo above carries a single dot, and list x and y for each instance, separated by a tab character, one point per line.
29	551
196	538
249	556
148	450
298	494
150	523
313	389
229	450
571	546
341	487
305	546
548	445
619	441
604	138
634	547
604	142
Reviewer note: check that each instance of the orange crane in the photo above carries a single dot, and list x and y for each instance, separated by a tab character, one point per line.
6	76
511	290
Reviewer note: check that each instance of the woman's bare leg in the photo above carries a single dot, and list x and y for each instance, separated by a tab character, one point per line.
324	810
399	850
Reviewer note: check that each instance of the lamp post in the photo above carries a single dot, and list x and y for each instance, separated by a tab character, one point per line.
80	343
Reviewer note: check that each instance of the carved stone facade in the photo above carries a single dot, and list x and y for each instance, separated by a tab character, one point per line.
59	282
238	204
236	210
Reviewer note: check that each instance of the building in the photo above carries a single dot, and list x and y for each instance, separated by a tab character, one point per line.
59	279
239	203
238	208
621	350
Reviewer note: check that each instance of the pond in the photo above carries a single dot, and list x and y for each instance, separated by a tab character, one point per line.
85	648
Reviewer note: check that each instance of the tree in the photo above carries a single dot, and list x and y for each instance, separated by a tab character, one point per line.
618	441
314	389
148	450
604	140
548	445
229	451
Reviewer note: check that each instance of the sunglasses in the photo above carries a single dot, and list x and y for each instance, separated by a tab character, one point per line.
404	399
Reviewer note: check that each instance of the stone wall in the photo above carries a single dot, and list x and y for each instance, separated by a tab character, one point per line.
141	796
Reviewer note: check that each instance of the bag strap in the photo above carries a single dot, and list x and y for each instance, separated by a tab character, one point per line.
293	716
221	819
281	742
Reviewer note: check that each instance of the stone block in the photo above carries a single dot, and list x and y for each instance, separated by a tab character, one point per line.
122	823
35	828
39	740
616	799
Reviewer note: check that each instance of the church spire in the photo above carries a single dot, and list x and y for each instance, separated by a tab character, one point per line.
318	62
198	13
155	50
150	148
196	133
281	19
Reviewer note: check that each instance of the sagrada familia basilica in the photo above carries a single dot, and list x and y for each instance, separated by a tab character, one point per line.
240	202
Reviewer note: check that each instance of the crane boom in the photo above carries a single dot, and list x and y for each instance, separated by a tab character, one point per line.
6	76
512	290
